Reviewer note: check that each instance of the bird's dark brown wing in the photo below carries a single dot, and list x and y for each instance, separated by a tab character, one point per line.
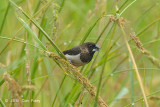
73	51
86	57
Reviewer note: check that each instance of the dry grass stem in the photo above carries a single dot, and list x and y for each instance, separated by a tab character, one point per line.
79	77
135	66
120	21
154	60
80	99
2	65
154	98
112	18
15	88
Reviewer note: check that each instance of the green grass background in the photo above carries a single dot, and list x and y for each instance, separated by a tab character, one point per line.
67	23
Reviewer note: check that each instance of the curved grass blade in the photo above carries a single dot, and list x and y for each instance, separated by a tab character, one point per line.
12	67
89	31
103	31
147	27
121	6
127	7
122	93
41	29
31	32
156	92
16	40
2	103
46	35
5	47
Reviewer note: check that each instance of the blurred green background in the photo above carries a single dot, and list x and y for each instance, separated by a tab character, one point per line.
68	22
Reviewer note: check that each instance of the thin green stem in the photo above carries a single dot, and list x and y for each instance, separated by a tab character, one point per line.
58	90
4	18
127	7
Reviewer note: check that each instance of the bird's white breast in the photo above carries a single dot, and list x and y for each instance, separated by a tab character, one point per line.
75	59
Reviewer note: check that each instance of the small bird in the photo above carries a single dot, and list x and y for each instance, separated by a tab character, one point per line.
81	55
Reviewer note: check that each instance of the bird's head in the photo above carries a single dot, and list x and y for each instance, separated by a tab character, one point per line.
92	47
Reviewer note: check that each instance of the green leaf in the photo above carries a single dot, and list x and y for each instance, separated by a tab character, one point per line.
31	32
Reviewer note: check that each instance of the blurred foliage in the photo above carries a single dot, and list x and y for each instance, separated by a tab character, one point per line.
67	23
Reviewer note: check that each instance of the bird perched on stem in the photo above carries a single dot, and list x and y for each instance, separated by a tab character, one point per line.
81	55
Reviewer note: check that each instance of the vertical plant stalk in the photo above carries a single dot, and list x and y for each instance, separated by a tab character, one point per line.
28	62
100	82
58	90
131	82
135	66
5	15
106	57
27	66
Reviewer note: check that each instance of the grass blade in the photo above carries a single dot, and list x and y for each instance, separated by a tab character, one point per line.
2	103
89	31
4	18
40	28
31	32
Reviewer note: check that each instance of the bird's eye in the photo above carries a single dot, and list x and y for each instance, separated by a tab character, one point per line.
90	45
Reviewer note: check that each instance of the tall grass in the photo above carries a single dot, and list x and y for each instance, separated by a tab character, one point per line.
125	72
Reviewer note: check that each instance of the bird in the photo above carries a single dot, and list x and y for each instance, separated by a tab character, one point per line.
82	54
